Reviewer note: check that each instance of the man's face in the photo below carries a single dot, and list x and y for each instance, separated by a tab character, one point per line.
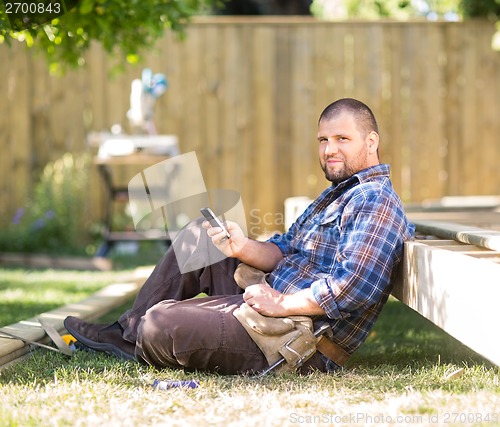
343	150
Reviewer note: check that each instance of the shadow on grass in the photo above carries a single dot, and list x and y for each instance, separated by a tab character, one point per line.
402	337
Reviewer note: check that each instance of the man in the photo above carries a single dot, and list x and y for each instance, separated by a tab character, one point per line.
335	263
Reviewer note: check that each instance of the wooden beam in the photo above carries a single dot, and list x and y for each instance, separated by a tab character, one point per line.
489	239
457	292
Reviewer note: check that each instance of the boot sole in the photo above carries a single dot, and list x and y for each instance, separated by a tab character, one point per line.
111	349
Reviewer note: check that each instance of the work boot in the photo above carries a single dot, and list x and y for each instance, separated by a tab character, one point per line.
106	338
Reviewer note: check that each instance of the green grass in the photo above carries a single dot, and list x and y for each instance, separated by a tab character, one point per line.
399	376
25	293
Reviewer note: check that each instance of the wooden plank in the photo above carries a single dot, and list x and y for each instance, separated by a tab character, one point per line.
96	74
232	120
300	99
456	292
210	90
7	207
338	33
189	79
393	134
75	140
364	82
170	122
246	137
58	117
439	242
433	151
488	89
416	99
41	109
20	150
463	233
329	78
95	118
153	59
470	143
285	108
454	97
263	55
116	101
408	123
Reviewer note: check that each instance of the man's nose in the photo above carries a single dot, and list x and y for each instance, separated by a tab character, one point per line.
331	146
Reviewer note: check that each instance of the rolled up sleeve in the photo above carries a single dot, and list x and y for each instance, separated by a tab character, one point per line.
370	243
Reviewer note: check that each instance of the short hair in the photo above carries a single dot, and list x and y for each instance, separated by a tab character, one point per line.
365	118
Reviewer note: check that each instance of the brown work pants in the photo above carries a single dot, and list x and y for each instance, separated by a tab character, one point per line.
171	328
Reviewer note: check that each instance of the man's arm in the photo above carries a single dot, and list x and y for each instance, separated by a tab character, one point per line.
270	302
262	255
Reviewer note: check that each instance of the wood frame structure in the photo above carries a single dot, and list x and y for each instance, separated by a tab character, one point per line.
455	284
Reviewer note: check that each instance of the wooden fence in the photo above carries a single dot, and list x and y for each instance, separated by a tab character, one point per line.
246	94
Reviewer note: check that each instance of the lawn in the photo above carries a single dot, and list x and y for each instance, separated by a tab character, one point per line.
407	373
24	294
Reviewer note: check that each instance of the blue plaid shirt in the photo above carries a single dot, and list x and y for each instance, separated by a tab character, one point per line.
345	247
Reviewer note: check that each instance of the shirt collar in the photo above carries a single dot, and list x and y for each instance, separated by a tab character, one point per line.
368	174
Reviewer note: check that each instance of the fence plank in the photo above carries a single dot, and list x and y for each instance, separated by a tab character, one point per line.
6	209
453	78
19	150
301	150
488	114
263	54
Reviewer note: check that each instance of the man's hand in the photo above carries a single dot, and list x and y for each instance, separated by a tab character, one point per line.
269	302
230	247
262	255
265	300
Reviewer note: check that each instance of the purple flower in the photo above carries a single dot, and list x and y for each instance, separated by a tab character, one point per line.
50	214
18	216
39	223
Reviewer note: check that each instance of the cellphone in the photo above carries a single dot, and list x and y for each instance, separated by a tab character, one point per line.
213	220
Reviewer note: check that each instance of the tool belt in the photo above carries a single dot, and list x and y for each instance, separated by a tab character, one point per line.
291	338
288	337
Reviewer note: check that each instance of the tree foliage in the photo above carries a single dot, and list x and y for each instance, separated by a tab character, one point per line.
127	27
123	27
404	9
482	8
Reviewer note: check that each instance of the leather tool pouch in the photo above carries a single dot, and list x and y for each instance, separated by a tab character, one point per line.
246	276
288	337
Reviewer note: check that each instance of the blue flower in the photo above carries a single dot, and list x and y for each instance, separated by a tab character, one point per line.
50	214
18	216
39	223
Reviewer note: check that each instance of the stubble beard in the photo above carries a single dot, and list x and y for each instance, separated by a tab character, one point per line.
336	176
339	175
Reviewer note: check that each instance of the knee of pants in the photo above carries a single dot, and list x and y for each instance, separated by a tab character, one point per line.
167	322
154	325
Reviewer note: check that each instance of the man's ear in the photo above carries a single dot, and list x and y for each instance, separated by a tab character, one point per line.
373	140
